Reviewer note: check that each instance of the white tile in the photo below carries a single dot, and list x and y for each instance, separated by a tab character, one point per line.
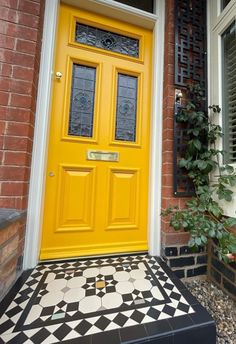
124	287
72	335
51	299
137	274
142	285
90	304
56	284
107	270
91	272
74	295
121	276
112	300
33	314
179	312
156	293
50	277
142	266
164	316
76	282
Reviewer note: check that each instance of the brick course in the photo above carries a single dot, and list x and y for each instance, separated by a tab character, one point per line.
20	41
20	45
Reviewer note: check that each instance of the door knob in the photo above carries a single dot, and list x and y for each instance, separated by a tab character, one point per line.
58	75
51	174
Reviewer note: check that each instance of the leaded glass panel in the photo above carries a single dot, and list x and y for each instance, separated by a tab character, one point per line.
82	101
107	40
126	108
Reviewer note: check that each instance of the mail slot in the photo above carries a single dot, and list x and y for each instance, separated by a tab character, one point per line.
102	155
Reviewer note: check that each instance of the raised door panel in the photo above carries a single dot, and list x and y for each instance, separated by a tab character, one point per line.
76	199
123	199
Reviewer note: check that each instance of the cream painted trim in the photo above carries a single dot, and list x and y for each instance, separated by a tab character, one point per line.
155	184
117	10
39	160
217	24
39	155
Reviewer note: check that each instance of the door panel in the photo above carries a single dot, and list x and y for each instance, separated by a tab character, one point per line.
96	198
123	199
76	199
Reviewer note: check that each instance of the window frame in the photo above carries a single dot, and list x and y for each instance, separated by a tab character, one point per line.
218	22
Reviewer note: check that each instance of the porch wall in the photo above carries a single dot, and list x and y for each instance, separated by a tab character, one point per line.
168	236
20	45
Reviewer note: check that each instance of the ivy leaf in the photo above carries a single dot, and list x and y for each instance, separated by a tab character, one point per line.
225	194
197	144
230	222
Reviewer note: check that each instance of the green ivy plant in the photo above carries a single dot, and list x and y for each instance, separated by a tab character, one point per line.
203	217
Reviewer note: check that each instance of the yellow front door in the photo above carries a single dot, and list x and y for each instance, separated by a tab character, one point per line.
96	199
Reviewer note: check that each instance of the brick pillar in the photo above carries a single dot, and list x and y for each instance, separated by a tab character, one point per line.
20	42
21	24
169	236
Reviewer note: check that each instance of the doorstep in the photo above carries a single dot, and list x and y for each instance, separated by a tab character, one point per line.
126	299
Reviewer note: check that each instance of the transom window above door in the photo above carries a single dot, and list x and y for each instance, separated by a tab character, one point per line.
107	40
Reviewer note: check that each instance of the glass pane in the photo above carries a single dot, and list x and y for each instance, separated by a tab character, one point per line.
224	3
126	108
229	93
145	5
82	101
106	40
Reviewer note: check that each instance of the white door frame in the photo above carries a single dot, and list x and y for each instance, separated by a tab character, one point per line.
42	121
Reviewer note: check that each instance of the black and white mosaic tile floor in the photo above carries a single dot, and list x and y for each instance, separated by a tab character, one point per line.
133	299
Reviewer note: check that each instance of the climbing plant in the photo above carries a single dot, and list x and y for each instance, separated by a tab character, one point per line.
203	217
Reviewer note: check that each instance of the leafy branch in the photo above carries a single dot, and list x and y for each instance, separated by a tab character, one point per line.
203	217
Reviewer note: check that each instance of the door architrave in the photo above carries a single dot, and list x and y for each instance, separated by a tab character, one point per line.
43	107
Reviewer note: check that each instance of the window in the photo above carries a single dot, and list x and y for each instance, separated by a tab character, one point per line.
222	81
229	92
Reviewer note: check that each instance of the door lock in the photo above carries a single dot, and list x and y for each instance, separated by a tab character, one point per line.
58	75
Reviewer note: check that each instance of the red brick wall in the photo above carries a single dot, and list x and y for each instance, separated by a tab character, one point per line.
20	42
169	236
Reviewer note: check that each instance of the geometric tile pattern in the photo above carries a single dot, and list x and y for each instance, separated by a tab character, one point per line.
63	301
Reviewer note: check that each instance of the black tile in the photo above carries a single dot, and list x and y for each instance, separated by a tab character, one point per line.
13	311
62	331
47	311
189	297
137	316
220	266
231	288
120	319
6	326
215	275
202	270
200	316
171	251
80	340
102	323
179	273
160	327
180	322
180	262
73	306
137	333
153	313
83	327
19	339
40	336
169	310
108	337
162	340
203	334
202	259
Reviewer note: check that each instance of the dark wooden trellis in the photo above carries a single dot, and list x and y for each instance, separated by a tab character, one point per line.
190	68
